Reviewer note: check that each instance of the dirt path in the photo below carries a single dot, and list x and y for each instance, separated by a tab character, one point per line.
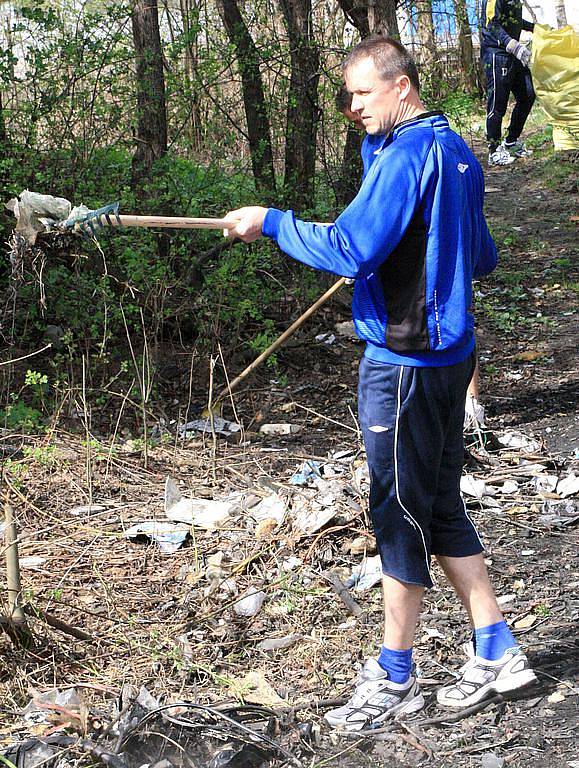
168	623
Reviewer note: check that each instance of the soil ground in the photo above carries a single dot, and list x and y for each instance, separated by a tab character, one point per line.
166	623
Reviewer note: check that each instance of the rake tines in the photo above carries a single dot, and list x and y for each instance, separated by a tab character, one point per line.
91	221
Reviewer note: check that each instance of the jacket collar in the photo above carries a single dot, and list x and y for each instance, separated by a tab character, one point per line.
389	137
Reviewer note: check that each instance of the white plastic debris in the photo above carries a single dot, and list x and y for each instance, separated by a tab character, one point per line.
559	513
202	513
273	507
568	486
504	599
207	426
509	487
169	536
250	603
34	561
490	760
279	643
306	473
291	564
470	486
362	478
87	509
545	483
310	517
37	213
327	337
366	575
520	441
431	632
279	429
43	705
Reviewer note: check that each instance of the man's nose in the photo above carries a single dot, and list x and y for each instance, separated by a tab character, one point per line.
356	105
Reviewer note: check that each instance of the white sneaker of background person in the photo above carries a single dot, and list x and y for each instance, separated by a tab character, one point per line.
516	148
501	156
474	413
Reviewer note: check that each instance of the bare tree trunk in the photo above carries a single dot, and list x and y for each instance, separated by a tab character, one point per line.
561	13
372	17
302	110
151	129
357	14
465	49
2	127
253	96
350	176
382	18
429	72
190	17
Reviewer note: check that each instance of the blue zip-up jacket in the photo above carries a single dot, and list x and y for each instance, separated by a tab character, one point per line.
371	147
413	238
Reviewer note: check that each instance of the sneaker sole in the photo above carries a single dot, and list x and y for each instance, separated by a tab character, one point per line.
395	713
509	684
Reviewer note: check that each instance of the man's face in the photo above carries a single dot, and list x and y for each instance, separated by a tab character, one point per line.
377	101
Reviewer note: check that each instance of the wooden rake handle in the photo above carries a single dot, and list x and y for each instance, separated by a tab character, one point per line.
168	222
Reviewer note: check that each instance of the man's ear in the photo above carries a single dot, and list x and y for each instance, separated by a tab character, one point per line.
403	84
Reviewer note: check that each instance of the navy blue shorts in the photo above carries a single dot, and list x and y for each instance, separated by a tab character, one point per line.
412	422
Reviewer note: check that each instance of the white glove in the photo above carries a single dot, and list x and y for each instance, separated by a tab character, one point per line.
474	414
519	51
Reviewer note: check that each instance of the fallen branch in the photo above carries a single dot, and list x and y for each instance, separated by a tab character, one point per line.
62	626
342	591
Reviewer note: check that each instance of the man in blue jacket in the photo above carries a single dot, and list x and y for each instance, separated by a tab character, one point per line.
506	64
413	239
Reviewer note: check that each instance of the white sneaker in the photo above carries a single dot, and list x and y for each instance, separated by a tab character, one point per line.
517	149
481	677
501	156
375	700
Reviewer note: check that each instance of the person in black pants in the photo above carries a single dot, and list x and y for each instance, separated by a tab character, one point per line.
506	64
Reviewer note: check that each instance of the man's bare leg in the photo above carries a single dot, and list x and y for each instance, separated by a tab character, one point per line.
470	579
504	667
473	387
474	411
401	610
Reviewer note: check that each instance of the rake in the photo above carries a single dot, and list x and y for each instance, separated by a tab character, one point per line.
108	215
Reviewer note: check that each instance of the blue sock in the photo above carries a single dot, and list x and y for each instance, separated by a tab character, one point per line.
491	642
398	664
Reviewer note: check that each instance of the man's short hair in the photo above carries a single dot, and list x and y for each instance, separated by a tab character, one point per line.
343	99
390	58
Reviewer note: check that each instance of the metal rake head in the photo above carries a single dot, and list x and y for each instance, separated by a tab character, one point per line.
90	221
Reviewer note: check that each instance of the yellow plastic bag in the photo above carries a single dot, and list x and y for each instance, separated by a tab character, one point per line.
555	72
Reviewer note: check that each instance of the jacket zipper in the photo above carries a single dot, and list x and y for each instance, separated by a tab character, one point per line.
437	319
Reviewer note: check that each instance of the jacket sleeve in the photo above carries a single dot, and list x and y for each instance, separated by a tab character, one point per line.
495	12
369	229
528	26
487	257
